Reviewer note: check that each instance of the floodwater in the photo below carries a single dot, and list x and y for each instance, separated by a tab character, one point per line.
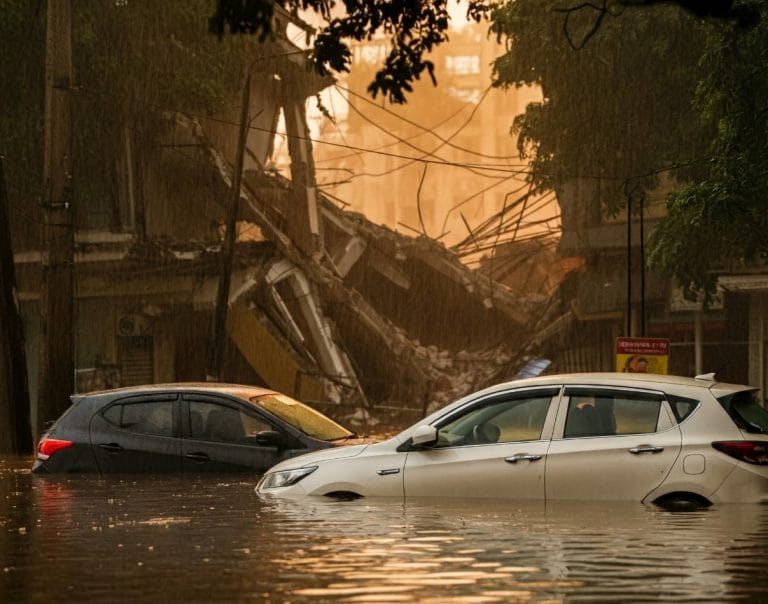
168	539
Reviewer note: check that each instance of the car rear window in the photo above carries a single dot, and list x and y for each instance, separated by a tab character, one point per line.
746	411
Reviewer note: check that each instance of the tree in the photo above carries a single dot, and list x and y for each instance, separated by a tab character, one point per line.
132	60
721	221
22	30
415	27
618	108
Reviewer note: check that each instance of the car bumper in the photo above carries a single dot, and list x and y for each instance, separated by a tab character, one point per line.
747	483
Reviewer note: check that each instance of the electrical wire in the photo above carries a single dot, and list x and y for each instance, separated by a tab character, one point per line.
431	129
500	168
425	154
393	143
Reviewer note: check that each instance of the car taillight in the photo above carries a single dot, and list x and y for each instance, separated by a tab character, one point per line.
49	446
751	451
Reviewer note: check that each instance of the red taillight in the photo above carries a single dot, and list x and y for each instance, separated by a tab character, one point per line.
751	451
49	446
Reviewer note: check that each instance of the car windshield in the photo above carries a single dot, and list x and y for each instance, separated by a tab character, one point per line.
300	416
745	409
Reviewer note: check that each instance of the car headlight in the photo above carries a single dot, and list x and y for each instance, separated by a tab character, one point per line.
286	478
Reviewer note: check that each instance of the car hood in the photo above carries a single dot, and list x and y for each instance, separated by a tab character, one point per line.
321	455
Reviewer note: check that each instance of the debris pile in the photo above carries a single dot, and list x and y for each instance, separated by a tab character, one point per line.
411	326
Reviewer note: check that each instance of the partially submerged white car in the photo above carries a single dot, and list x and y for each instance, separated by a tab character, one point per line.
599	436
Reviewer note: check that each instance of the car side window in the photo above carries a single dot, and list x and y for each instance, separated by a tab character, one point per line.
601	413
220	423
682	407
636	415
155	418
498	421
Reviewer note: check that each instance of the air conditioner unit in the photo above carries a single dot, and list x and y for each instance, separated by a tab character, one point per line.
132	325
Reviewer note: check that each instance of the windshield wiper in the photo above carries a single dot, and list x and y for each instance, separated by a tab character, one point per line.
349	436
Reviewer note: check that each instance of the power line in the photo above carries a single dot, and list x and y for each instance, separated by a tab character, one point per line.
431	130
406	142
464	165
392	144
500	168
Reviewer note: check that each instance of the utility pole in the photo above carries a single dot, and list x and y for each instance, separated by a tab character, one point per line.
56	370
15	425
216	344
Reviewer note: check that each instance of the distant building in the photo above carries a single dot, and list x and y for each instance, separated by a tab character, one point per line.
438	165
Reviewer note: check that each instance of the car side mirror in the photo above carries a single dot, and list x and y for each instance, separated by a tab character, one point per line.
424	436
270	438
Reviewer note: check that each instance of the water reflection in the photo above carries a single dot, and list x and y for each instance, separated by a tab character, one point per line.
174	538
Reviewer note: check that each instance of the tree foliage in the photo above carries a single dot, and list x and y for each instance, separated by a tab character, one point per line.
617	107
132	60
412	27
721	221
22	29
135	61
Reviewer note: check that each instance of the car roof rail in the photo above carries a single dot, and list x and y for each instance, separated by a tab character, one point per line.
706	376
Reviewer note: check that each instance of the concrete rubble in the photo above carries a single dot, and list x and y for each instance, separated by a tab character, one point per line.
412	326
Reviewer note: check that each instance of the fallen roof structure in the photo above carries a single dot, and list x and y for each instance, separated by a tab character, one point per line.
395	320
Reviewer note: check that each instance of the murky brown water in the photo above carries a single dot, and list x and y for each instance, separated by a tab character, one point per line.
125	539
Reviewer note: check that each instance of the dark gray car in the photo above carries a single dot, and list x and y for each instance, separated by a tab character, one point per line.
183	428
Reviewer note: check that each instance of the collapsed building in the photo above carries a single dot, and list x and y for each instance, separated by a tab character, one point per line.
378	321
414	324
323	305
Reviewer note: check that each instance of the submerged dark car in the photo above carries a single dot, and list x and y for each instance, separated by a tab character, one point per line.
183	428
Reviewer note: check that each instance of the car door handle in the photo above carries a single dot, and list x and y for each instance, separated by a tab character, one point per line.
645	449
522	457
111	447
198	457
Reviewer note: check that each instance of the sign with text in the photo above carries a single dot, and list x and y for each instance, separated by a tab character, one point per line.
642	355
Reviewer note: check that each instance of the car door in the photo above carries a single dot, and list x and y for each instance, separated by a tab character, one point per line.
494	447
611	444
223	436
137	434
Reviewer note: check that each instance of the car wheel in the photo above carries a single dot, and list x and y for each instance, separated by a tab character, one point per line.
682	502
343	495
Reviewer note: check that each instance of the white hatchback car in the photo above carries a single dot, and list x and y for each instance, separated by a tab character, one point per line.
599	436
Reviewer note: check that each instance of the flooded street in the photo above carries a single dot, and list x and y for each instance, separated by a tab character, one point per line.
121	539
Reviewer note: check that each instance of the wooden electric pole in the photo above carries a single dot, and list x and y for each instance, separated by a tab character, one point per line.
216	343
56	369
